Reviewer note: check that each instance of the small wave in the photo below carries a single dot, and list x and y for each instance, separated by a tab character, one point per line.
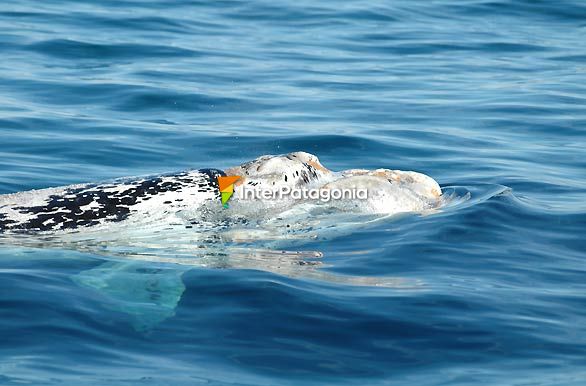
77	50
458	197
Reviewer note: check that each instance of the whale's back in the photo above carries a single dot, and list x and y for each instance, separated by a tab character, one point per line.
78	206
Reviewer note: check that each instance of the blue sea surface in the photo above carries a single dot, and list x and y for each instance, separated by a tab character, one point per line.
486	96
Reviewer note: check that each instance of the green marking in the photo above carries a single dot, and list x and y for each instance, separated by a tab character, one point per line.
225	197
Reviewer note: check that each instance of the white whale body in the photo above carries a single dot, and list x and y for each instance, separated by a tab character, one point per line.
177	220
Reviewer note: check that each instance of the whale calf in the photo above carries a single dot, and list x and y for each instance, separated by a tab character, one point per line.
169	197
146	232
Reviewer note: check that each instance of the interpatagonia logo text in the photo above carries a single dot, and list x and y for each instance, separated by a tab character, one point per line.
286	192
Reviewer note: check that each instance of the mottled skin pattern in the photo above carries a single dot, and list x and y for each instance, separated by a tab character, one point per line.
5	221
88	205
293	170
80	206
175	196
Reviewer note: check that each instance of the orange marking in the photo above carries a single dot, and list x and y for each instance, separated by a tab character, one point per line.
225	183
318	166
240	181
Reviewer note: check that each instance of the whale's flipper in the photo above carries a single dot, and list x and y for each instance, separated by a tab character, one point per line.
148	294
148	288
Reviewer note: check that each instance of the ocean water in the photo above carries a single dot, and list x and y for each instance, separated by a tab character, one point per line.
488	97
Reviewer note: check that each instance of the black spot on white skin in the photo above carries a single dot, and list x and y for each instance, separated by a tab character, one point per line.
70	209
212	175
5	221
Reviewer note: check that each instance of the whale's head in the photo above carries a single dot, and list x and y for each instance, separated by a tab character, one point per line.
389	191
